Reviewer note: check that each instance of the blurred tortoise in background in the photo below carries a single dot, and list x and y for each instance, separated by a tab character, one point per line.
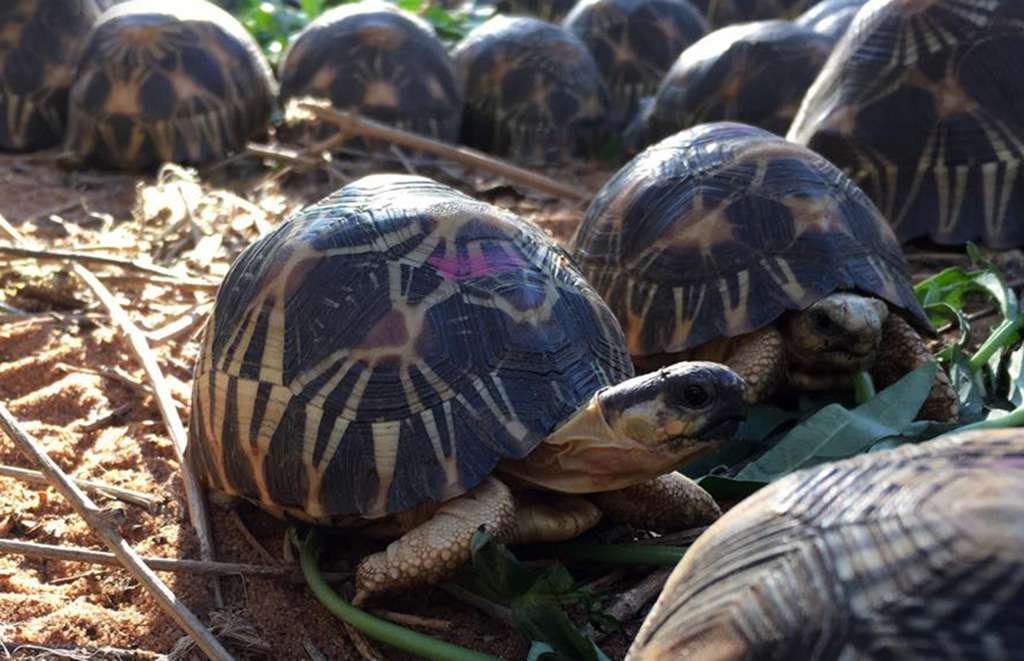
754	73
634	42
376	60
40	43
382	358
159	81
533	91
916	552
720	13
727	243
830	17
923	106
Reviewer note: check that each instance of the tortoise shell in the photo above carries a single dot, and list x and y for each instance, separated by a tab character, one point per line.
719	229
916	552
548	10
533	91
830	17
634	42
163	81
378	61
387	346
40	42
923	105
754	73
720	13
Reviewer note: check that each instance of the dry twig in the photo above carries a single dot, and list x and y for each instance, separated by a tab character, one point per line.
352	124
90	258
631	601
94	516
487	607
89	486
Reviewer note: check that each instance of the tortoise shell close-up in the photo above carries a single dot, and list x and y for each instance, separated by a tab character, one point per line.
548	10
754	73
533	91
923	106
40	43
379	61
725	242
634	42
720	13
157	81
916	552
830	17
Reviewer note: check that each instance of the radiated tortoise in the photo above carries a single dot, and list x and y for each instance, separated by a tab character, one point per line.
912	553
923	106
727	243
40	43
395	355
160	81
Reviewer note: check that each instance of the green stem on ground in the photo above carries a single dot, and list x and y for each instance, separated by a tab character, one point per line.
376	628
1014	418
620	554
863	387
999	338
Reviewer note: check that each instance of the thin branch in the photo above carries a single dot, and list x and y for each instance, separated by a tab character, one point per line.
89	486
193	492
128	557
180	566
486	606
353	124
89	258
632	601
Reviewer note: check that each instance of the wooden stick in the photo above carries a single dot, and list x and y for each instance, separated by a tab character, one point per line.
193	492
631	601
131	561
89	486
354	124
496	611
87	258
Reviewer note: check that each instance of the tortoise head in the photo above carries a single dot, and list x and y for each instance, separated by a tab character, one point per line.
834	338
637	430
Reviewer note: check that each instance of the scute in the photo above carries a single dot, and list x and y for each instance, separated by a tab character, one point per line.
388	346
719	229
916	552
922	104
183	83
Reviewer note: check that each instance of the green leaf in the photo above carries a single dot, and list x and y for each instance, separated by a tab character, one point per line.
541	619
761	423
836	433
498	569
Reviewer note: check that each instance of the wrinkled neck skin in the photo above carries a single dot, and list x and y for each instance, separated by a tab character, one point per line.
587	455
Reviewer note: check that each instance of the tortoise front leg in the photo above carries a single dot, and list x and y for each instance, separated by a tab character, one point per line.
760	358
667	503
438	547
901	351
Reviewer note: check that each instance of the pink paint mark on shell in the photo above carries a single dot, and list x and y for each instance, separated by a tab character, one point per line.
454	268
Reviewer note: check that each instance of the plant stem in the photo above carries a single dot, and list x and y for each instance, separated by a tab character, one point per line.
621	554
999	338
863	387
374	627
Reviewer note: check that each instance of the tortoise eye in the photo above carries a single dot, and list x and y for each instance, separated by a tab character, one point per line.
822	322
696	396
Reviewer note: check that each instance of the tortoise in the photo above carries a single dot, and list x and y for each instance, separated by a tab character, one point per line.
923	106
916	552
720	13
40	41
753	73
397	356
161	81
634	42
533	91
725	242
379	61
830	17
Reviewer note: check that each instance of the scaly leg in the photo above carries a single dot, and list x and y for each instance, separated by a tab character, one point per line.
760	358
902	350
438	547
667	503
549	518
